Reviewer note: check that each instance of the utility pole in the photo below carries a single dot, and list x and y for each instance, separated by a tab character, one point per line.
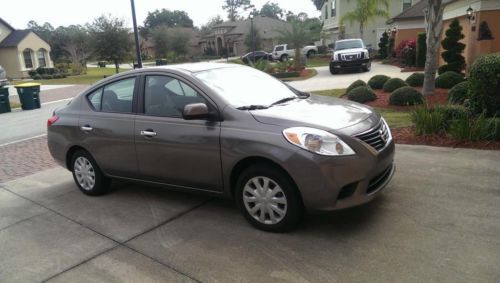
136	36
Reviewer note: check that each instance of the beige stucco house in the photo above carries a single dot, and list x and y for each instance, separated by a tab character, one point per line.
22	51
333	10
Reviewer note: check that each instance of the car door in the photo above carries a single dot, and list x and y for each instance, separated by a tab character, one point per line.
170	149
107	127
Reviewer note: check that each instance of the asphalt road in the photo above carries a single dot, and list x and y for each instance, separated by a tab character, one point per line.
437	221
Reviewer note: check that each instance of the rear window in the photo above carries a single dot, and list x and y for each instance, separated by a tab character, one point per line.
95	99
279	48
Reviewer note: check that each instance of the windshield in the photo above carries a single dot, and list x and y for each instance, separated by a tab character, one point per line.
245	86
339	45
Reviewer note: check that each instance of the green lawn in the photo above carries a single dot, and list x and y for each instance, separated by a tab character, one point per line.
93	75
318	62
395	119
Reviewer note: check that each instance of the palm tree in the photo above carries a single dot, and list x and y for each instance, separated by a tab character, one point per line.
365	12
297	36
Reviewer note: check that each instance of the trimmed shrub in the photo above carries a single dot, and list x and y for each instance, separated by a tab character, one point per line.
355	85
384	41
378	81
474	129
37	77
459	93
47	77
421	49
484	90
406	95
449	79
393	84
361	94
453	49
406	52
415	79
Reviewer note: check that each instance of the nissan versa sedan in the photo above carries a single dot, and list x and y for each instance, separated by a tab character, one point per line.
227	130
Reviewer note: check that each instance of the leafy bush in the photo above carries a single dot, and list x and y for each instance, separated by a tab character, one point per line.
484	32
393	84
355	85
415	79
428	121
384	41
459	93
484	90
286	75
453	49
406	52
37	77
449	79
421	49
454	112
378	81
46	71
474	129
361	94
32	73
406	95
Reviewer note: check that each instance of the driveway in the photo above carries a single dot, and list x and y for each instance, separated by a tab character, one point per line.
324	80
437	221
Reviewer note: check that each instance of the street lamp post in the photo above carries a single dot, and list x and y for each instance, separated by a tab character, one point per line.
253	37
136	36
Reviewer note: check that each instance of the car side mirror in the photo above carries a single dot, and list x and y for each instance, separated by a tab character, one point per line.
195	111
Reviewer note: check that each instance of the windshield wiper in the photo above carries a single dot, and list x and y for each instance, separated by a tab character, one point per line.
252	107
283	100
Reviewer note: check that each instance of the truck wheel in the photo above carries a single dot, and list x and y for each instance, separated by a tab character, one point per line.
311	53
332	70
368	67
284	57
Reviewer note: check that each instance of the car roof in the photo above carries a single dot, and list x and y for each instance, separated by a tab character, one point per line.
194	67
351	39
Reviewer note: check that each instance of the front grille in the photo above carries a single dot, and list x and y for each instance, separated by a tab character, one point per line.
376	137
378	180
350	57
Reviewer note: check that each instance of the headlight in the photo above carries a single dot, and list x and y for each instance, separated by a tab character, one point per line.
367	54
317	141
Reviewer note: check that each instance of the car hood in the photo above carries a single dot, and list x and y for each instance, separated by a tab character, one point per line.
323	112
352	50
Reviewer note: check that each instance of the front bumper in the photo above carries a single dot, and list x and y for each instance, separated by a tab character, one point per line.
346	65
331	183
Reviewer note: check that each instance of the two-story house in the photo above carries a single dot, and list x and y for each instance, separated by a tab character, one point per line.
22	51
333	10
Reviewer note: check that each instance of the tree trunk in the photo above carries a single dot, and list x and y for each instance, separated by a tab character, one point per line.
117	67
361	31
298	58
434	29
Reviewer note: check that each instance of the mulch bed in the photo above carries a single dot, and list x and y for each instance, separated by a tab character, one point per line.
407	136
440	97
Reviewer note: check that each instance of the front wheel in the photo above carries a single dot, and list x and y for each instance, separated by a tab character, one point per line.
333	71
268	199
368	67
87	175
311	53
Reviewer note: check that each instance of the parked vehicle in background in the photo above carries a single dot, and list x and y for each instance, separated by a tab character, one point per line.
227	130
350	54
283	51
3	77
256	56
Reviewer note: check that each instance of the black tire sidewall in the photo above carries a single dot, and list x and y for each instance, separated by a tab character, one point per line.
101	184
295	208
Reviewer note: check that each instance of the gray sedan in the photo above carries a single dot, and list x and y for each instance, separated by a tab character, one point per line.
225	130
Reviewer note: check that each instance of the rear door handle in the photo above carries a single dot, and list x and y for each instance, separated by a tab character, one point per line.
148	133
86	128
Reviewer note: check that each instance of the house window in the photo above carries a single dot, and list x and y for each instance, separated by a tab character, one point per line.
41	58
326	12
28	63
334	8
406	4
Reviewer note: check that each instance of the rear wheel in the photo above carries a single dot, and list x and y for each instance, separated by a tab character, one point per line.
284	57
87	175
311	53
268	199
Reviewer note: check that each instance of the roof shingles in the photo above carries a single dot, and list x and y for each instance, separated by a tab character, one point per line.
14	38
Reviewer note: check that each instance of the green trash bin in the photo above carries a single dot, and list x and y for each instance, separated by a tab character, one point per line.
29	95
4	100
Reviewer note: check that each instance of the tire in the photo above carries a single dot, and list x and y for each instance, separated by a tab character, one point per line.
368	67
87	175
332	70
284	57
311	53
288	208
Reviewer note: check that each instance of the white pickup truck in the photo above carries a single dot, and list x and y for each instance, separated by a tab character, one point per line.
282	53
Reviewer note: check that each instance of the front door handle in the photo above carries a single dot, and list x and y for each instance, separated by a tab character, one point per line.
86	128
148	133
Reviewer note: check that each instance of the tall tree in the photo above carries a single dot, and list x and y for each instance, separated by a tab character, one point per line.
452	55
232	7
434	29
365	12
159	35
271	10
207	28
297	36
168	18
257	41
44	31
110	39
74	41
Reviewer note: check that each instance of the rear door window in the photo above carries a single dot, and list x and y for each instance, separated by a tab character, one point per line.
118	97
95	99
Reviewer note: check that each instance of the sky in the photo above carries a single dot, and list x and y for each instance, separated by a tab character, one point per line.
68	12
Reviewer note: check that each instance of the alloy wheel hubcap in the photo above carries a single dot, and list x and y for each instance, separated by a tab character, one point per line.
264	200
85	173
